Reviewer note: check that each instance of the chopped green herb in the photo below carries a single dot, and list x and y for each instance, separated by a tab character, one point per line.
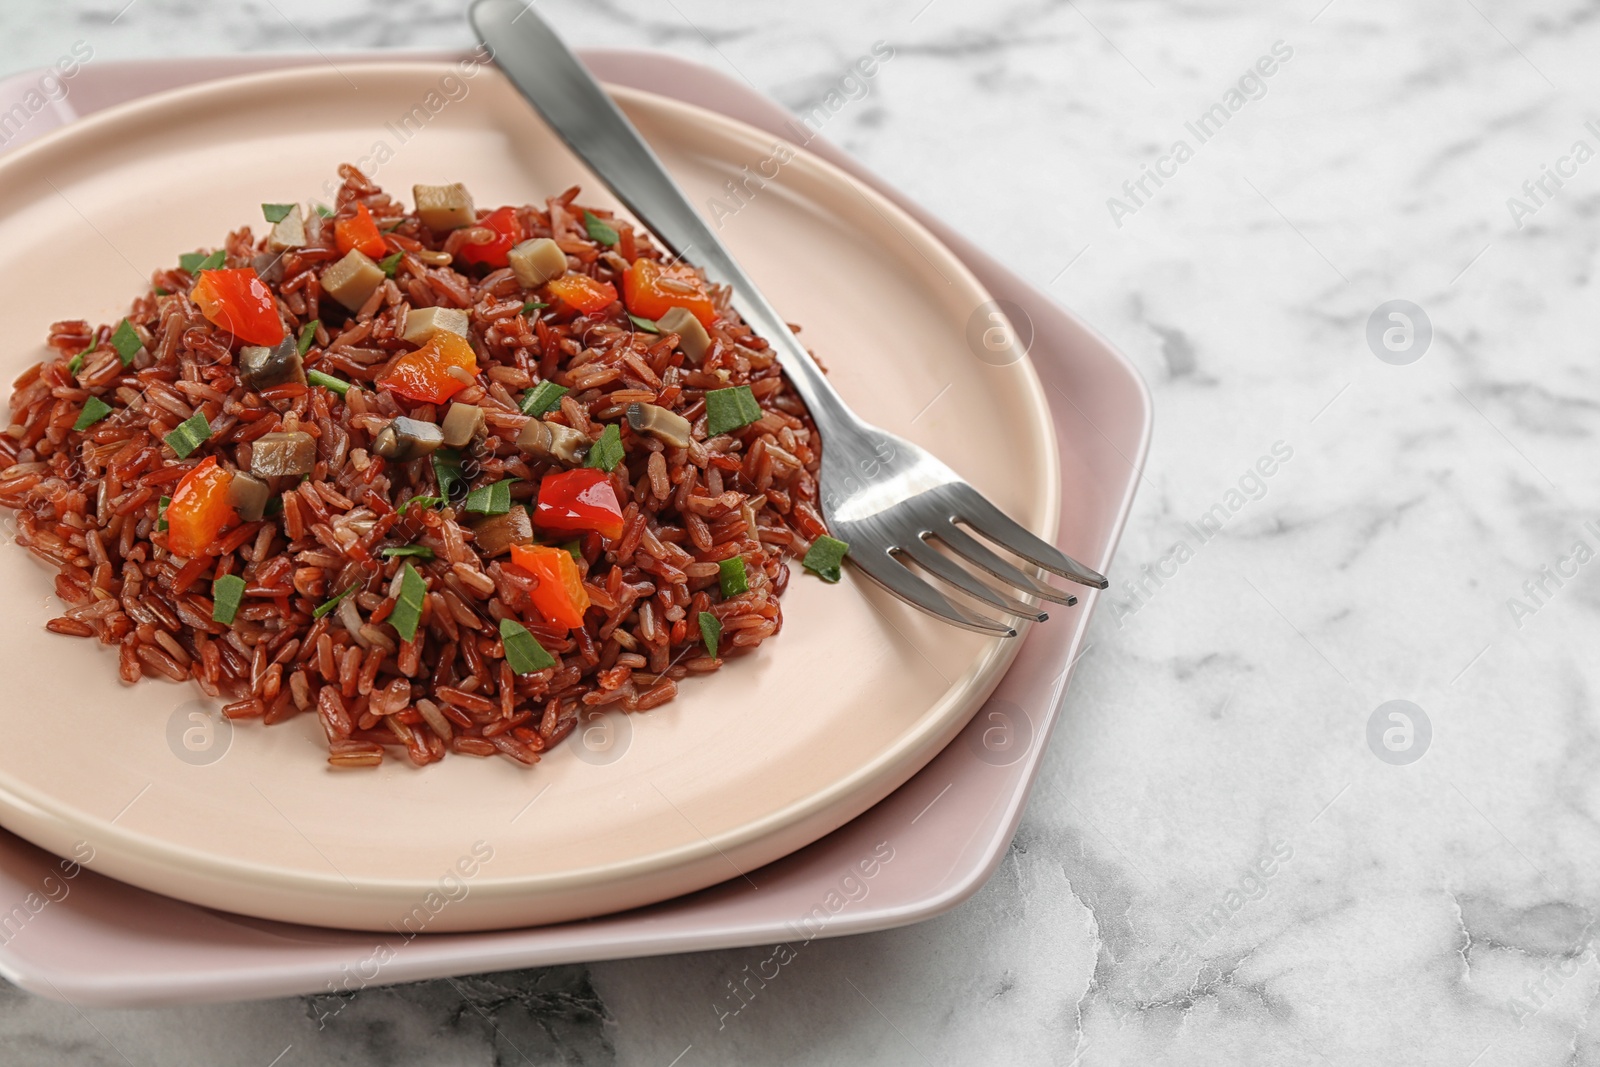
599	230
273	506
389	263
532	305
75	364
190	262
161	512
424	502
190	435
733	577
710	632
327	606
125	339
607	452
523	651
94	409
227	593
575	548
328	382
418	551
407	611
308	336
492	499
393	226
323	210
824	556
211	262
542	397
644	324
276	212
447	472
162	292
729	409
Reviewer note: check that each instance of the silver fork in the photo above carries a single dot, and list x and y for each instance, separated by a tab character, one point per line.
889	499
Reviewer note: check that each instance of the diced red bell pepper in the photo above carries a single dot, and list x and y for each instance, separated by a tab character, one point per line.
584	293
560	596
509	233
199	509
240	303
652	290
424	375
360	234
579	500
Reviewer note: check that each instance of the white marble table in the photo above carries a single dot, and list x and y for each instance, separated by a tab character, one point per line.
1218	867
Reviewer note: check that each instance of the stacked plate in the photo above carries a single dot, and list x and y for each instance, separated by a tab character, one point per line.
756	777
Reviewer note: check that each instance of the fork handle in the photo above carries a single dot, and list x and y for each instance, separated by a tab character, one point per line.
546	72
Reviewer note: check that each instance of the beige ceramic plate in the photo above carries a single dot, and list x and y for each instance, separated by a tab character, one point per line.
782	746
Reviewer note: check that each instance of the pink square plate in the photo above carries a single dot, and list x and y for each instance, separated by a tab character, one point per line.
75	935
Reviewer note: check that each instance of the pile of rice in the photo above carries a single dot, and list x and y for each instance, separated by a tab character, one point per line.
87	502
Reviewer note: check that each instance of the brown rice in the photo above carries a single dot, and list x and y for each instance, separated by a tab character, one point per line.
88	502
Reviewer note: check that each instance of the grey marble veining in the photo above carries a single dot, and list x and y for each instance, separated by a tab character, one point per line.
1217	867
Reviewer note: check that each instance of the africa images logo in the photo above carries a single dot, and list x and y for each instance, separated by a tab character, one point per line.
1252	85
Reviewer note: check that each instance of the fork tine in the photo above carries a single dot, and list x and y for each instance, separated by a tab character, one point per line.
935	562
899	580
998	527
964	544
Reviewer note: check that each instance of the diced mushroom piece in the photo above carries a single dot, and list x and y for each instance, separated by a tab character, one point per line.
551	440
248	495
536	262
406	439
666	426
352	280
262	368
444	207
288	232
268	267
423	323
462	423
282	455
495	535
692	336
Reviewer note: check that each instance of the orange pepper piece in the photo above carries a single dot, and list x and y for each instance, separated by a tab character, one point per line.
240	303
424	375
560	596
199	510
652	290
584	293
361	234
